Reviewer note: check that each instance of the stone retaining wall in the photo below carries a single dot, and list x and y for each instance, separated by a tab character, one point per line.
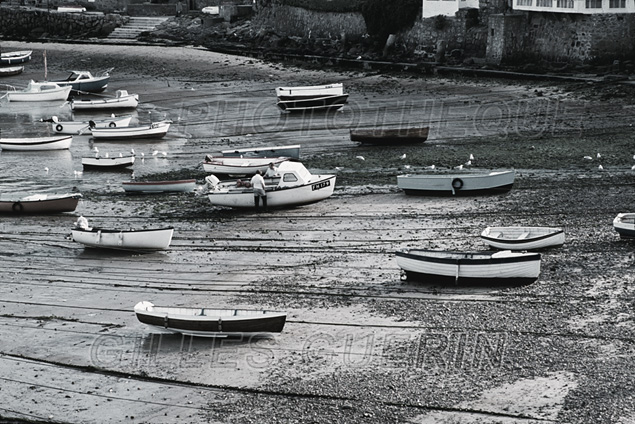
35	23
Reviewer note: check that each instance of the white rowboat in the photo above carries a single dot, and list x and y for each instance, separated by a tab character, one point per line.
122	100
138	240
238	166
179	186
154	130
10	58
624	224
115	162
523	238
456	184
504	267
81	127
291	151
37	143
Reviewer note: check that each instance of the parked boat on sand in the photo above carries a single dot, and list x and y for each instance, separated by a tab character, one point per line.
39	203
291	151
210	322
59	142
624	224
85	81
81	127
39	92
12	58
311	98
122	100
105	163
153	130
523	238
456	184
390	136
176	186
11	71
486	268
133	239
239	167
295	186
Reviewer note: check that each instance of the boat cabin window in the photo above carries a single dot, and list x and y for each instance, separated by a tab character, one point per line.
289	178
47	87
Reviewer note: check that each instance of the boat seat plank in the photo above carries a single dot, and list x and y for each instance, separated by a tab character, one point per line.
523	236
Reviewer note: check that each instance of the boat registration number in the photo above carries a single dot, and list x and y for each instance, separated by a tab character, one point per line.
321	185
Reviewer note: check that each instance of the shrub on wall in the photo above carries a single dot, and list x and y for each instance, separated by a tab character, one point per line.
384	18
337	6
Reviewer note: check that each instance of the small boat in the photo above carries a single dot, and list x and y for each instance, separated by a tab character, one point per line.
136	240
81	127
624	224
153	130
11	58
523	238
210	322
179	186
390	136
13	70
504	267
295	186
59	142
292	151
86	82
238	167
71	9
309	98
39	92
456	184
39	203
122	100
105	163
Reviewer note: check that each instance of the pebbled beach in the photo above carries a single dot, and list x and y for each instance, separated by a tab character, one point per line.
361	343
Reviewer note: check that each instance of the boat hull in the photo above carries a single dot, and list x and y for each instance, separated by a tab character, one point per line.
293	104
523	238
310	91
41	204
96	85
39	143
291	151
207	322
390	136
76	127
128	102
14	70
624	224
315	191
456	184
104	163
180	186
12	58
58	94
478	268
140	240
239	167
156	130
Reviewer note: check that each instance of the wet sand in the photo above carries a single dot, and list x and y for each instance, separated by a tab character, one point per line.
361	343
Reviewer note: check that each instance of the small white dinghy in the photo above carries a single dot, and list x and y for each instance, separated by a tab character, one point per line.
60	142
523	238
84	127
39	92
238	167
105	163
153	130
122	100
137	240
624	224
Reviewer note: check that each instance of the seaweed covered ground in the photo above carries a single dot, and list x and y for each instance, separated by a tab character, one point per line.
361	342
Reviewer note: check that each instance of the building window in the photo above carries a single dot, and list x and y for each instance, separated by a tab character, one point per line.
617	4
594	4
544	3
566	4
524	2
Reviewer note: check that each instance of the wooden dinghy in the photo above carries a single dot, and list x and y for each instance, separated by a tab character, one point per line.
136	240
456	184
291	151
39	203
624	224
504	267
238	167
12	58
176	186
390	136
295	186
106	163
523	238
311	98
10	71
37	143
210	322
122	100
39	92
154	130
81	127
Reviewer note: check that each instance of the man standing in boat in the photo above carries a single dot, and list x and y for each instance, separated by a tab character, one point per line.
258	183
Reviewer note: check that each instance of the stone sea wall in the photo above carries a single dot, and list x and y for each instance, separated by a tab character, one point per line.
30	23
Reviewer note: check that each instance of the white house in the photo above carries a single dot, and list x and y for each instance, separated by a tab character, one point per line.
432	8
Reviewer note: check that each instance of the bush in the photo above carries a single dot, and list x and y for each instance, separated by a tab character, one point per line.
384	18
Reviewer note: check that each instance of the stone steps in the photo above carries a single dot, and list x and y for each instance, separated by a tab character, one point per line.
136	26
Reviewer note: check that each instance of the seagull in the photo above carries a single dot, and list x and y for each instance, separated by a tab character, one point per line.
339	168
165	154
132	175
633	157
46	170
403	156
599	156
360	157
471	156
588	158
600	167
459	167
407	166
132	151
95	149
120	155
633	168
106	154
156	152
430	167
142	154
78	173
468	163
